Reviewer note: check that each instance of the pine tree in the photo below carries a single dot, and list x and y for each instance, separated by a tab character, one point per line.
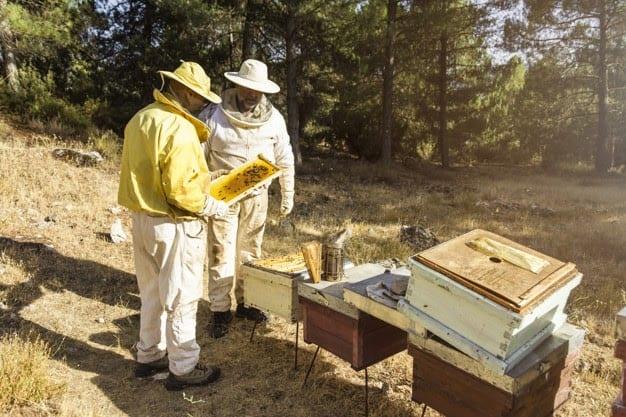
586	34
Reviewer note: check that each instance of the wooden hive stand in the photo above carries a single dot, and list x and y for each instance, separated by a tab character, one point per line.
340	328
619	406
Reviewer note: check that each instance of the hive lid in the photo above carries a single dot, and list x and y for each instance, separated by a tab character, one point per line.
507	273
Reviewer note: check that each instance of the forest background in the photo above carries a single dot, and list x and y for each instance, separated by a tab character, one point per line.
501	91
539	82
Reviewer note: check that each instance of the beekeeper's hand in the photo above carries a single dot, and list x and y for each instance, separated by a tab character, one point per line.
213	207
286	203
219	173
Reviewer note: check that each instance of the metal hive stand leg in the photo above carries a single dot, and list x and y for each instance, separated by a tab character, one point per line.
256	322
367	392
310	367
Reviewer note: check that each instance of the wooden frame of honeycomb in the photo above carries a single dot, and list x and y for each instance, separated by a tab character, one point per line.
244	179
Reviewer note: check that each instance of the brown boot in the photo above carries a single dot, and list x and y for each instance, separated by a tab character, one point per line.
147	370
219	326
200	375
250	313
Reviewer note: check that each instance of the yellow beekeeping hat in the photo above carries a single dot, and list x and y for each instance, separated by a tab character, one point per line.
192	76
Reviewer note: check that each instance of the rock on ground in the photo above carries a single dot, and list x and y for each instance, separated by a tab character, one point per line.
418	237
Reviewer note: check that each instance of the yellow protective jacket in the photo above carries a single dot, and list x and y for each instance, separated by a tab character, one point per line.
163	170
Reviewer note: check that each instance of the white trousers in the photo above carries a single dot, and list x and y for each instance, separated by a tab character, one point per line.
169	262
234	239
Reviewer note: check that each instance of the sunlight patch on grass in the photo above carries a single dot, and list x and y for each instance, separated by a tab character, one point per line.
24	373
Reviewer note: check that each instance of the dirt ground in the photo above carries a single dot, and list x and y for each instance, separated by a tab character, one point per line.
61	279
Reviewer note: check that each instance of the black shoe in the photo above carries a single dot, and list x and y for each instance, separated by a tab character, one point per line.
250	313
200	375
219	327
147	370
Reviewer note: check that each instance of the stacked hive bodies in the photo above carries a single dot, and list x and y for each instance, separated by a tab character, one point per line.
497	340
491	306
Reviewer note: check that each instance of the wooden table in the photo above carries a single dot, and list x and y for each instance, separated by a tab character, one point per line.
340	328
355	293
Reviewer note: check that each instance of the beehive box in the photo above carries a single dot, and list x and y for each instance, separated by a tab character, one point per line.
456	385
619	406
361	340
243	180
271	285
471	307
340	328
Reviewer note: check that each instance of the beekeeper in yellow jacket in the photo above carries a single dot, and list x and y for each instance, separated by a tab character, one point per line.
242	127
164	182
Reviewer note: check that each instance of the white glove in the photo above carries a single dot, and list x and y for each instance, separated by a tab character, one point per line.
219	173
214	207
286	203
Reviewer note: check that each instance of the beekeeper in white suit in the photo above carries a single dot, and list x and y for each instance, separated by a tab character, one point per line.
242	127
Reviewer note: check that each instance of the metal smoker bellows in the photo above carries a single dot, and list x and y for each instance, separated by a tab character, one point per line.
333	256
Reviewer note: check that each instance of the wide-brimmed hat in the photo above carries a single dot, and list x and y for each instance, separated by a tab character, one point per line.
192	76
253	75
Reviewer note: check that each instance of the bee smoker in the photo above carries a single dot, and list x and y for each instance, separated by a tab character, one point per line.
333	263
333	256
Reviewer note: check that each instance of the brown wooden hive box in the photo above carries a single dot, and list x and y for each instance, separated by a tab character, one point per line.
619	408
537	389
361	341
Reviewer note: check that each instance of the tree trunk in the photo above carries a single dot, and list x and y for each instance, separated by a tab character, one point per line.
231	41
388	82
146	36
443	101
293	118
8	57
148	24
603	158
248	47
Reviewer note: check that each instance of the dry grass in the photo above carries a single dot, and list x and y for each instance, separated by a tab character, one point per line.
80	296
24	374
107	143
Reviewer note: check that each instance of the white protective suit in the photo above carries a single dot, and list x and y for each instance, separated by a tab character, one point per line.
169	261
236	238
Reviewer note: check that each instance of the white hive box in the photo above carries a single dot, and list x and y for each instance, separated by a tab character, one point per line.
490	306
271	285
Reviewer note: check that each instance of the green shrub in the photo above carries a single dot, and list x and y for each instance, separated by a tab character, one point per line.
35	99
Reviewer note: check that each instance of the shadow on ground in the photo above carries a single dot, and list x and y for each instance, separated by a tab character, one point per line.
258	376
